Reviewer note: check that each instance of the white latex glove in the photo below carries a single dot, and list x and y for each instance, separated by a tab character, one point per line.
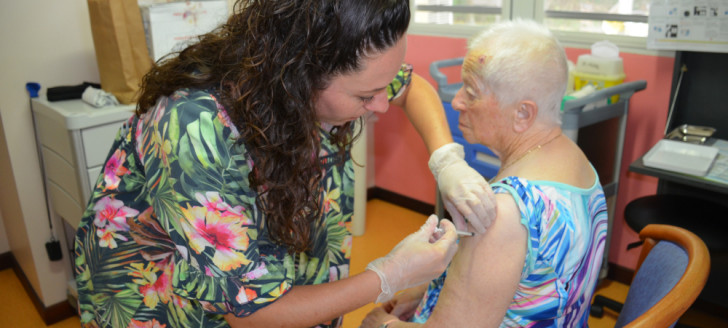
416	260
466	194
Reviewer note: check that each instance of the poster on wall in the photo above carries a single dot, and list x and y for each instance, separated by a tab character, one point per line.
690	25
171	26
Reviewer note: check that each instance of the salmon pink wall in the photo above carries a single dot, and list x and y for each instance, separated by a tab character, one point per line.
401	156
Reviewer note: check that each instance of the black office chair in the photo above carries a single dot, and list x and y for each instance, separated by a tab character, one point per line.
701	216
671	272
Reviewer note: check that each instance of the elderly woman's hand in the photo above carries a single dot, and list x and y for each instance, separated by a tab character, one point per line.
376	318
466	194
404	304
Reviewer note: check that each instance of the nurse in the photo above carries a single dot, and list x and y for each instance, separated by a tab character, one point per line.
226	200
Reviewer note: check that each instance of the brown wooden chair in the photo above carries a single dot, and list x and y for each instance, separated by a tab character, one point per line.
671	272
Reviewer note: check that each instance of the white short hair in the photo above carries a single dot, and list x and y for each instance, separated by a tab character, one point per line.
521	60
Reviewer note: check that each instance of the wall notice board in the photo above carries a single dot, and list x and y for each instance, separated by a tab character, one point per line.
692	25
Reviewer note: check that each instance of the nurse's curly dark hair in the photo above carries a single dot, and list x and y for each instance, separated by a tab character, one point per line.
269	62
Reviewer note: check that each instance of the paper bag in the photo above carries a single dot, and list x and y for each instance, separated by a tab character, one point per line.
121	47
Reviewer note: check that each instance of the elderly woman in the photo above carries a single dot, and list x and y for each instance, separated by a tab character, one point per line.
538	264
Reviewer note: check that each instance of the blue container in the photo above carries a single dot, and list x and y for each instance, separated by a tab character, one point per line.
33	89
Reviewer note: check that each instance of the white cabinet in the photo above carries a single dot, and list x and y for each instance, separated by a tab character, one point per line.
75	139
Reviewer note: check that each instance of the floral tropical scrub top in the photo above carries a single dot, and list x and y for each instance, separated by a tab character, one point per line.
171	236
567	229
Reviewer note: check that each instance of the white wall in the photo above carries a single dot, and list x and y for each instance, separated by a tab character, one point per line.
4	187
49	42
4	245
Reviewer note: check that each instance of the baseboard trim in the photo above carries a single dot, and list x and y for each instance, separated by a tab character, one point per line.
6	260
49	315
619	273
400	200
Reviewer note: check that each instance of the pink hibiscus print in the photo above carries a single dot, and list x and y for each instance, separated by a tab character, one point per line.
146	324
209	229
114	169
111	214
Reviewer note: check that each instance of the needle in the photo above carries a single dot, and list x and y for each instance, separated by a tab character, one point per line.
459	232
465	233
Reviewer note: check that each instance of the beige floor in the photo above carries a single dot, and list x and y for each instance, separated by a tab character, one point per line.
386	225
16	308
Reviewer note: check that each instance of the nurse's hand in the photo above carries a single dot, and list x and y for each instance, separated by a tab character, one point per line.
417	259
465	193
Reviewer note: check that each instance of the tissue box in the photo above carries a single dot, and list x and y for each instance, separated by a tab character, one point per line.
169	27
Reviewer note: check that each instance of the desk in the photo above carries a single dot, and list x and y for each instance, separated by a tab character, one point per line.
693	181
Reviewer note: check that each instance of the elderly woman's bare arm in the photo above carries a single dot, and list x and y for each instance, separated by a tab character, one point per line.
484	274
482	279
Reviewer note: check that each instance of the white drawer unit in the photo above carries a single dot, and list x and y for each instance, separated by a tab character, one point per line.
75	139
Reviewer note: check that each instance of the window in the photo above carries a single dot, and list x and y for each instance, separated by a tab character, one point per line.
575	22
457	12
620	17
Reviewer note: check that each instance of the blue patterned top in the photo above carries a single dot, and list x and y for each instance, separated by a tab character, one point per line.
567	228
